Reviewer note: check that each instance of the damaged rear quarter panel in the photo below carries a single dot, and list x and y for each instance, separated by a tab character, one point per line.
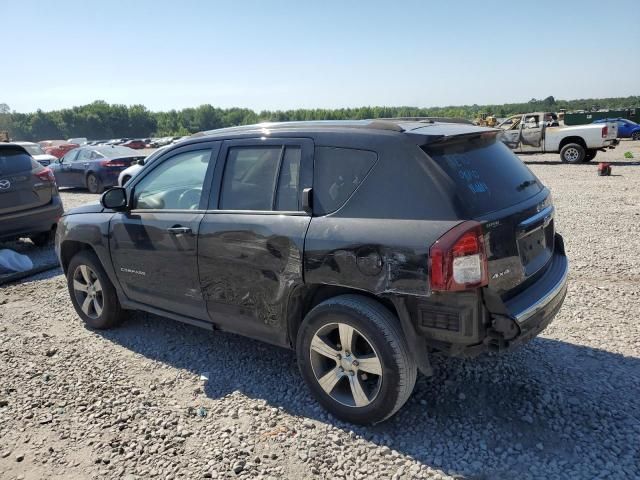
387	256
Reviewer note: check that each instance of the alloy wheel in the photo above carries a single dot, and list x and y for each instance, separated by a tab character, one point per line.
346	365
88	291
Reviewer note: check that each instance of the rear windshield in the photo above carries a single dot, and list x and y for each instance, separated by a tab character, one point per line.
487	175
14	161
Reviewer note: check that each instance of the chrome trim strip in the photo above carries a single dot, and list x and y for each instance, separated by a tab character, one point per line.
544	301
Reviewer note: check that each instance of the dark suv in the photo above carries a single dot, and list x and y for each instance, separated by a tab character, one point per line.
365	245
29	201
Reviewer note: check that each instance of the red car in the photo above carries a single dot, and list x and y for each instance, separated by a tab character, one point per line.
57	148
135	144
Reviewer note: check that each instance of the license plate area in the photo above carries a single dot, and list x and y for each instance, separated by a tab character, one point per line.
535	247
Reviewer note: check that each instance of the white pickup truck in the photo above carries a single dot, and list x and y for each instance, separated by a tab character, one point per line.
540	132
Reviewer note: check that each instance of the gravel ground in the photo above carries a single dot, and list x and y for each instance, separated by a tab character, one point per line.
136	403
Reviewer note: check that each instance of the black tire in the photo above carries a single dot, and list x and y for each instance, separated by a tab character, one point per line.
572	153
590	155
379	329
635	136
43	239
111	314
94	185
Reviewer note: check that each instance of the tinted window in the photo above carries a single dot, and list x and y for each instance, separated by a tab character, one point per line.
14	161
174	184
487	175
337	173
289	180
249	179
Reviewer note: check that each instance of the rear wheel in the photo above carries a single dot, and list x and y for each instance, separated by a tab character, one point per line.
92	293
94	185
353	356
572	153
590	155
43	239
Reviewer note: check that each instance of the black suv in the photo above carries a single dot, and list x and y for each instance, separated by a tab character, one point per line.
365	245
30	205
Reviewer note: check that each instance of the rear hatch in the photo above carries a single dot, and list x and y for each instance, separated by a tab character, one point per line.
495	188
24	183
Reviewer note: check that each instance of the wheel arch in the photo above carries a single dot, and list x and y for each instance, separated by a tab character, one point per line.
69	248
306	297
575	139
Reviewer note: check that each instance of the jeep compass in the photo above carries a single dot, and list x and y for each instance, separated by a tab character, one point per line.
365	246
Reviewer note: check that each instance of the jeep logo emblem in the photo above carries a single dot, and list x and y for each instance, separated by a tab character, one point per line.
4	184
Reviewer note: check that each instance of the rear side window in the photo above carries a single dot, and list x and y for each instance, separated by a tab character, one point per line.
250	178
487	175
14	160
337	173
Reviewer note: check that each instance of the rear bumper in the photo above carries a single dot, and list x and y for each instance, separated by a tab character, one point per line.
467	324
29	222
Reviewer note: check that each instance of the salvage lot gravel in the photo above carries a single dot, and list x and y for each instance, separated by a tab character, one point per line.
136	403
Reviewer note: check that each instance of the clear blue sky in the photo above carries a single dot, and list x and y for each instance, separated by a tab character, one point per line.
323	53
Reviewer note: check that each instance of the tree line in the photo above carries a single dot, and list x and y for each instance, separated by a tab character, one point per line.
101	120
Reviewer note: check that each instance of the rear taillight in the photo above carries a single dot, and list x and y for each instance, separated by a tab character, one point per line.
112	163
458	260
46	175
605	131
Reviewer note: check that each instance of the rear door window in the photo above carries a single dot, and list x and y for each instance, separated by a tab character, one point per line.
337	173
14	160
487	175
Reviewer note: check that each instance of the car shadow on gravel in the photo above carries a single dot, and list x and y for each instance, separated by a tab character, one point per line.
547	404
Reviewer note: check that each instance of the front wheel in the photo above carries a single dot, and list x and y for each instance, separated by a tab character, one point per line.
572	153
94	185
353	356
92	293
635	136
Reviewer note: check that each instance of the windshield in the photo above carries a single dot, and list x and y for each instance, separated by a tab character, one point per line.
487	175
34	149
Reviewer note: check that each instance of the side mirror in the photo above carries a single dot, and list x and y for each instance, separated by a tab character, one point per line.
59	160
307	200
114	199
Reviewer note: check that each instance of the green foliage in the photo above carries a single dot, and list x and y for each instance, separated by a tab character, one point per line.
100	120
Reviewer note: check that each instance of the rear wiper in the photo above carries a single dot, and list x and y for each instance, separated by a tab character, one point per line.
525	184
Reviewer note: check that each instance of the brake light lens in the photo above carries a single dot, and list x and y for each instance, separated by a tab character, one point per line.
458	260
46	175
605	131
112	163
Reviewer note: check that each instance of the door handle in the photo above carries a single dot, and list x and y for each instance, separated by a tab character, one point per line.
177	230
86	164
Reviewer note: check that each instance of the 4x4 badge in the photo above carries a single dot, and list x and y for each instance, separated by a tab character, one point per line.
4	184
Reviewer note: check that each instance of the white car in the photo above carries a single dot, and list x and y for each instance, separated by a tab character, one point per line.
37	153
128	173
79	140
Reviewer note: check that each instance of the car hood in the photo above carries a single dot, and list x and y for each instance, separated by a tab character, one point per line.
93	207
